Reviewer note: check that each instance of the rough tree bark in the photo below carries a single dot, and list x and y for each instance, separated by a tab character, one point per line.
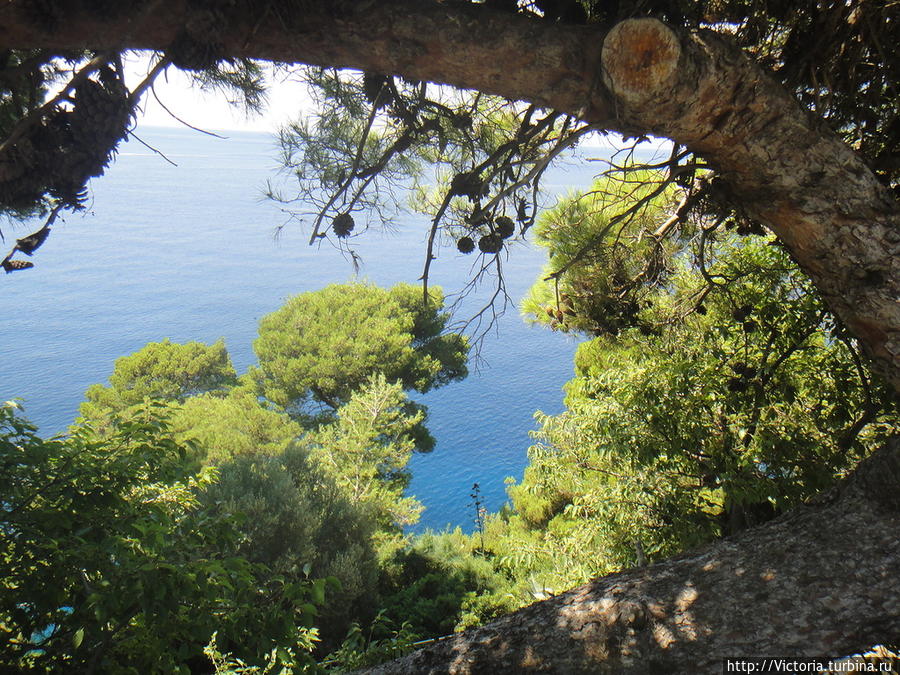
782	165
821	581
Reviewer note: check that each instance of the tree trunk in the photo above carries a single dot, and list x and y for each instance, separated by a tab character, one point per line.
781	164
820	581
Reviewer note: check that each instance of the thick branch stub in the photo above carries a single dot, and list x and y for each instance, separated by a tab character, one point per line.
781	166
640	58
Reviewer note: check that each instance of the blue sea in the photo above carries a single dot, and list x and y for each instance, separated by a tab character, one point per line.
188	252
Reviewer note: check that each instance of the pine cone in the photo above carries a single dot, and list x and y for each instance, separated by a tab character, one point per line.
490	243
465	245
374	89
468	185
13	163
505	226
343	225
190	53
15	265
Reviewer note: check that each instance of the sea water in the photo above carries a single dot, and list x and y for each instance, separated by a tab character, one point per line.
188	252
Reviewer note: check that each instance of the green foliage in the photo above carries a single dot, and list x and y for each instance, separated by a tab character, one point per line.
326	344
444	582
109	563
312	493
724	396
604	260
323	151
473	161
160	370
299	523
715	392
379	644
240	80
285	660
366	449
222	427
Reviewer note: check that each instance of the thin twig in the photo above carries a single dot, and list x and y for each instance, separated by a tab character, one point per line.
352	175
149	79
594	241
150	147
178	119
429	253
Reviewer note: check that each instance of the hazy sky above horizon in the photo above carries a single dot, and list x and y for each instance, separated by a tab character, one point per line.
287	100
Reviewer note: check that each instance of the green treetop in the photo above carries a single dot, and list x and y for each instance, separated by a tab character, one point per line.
326	344
161	370
366	449
223	427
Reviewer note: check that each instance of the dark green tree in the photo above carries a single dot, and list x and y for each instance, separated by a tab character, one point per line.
366	449
717	391
110	562
299	523
441	583
221	427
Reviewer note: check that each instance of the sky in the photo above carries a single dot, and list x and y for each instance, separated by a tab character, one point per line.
288	99
211	111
